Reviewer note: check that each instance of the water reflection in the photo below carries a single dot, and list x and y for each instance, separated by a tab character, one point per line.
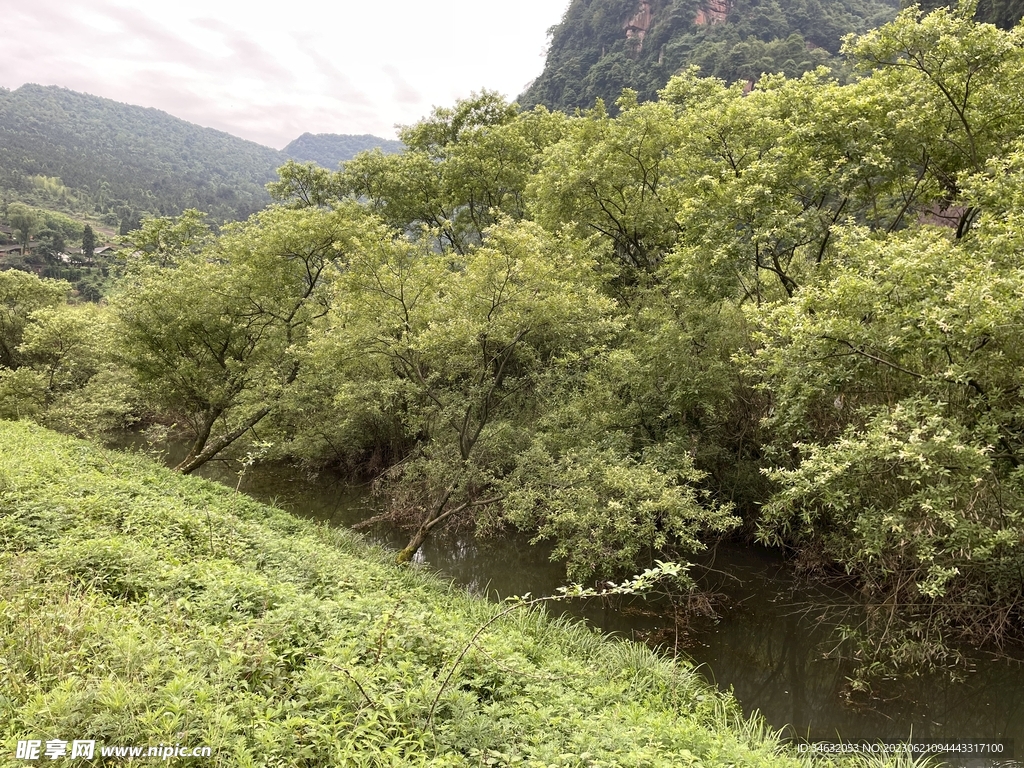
770	649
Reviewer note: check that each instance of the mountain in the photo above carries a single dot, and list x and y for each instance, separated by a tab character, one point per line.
1003	13
118	156
603	46
77	152
330	149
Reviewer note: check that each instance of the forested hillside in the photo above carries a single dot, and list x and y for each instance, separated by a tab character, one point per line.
81	153
127	160
330	149
603	46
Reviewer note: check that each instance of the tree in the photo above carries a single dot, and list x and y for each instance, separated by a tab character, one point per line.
469	354
305	184
462	343
464	168
26	221
897	413
213	335
21	294
88	242
51	244
88	291
167	241
608	177
764	180
960	78
64	347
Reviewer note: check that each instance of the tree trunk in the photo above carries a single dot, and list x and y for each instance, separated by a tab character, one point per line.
407	554
432	519
202	436
196	458
436	518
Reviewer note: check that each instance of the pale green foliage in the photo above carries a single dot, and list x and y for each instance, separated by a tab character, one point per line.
212	336
464	168
765	179
21	294
460	346
608	176
51	185
890	360
912	502
22	393
167	241
187	341
960	80
65	343
488	373
68	378
998	193
604	511
892	364
304	185
69	228
907	314
898	383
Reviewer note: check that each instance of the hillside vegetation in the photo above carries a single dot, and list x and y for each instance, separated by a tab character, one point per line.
1003	13
80	153
141	607
602	46
330	149
113	155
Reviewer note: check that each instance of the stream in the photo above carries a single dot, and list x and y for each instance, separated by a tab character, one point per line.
768	643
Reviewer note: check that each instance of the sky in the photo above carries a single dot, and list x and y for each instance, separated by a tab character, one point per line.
270	72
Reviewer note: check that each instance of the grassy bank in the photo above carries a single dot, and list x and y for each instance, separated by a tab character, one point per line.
139	607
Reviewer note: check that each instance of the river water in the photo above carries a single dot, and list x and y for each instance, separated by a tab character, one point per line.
769	642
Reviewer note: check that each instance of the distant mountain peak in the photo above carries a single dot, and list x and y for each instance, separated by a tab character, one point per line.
330	149
121	161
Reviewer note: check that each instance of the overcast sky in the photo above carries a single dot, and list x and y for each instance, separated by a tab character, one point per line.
272	71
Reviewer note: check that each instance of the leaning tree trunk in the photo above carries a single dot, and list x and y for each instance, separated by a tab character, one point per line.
438	516
202	437
203	452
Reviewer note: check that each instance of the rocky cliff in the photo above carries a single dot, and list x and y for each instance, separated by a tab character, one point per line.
712	12
603	46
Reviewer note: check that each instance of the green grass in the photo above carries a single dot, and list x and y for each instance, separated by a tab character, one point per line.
141	607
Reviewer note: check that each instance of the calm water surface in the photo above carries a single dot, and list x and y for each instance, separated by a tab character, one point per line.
768	644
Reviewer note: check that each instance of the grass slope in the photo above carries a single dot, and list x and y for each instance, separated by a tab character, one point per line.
141	607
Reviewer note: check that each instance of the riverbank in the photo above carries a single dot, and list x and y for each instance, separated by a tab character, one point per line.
140	607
